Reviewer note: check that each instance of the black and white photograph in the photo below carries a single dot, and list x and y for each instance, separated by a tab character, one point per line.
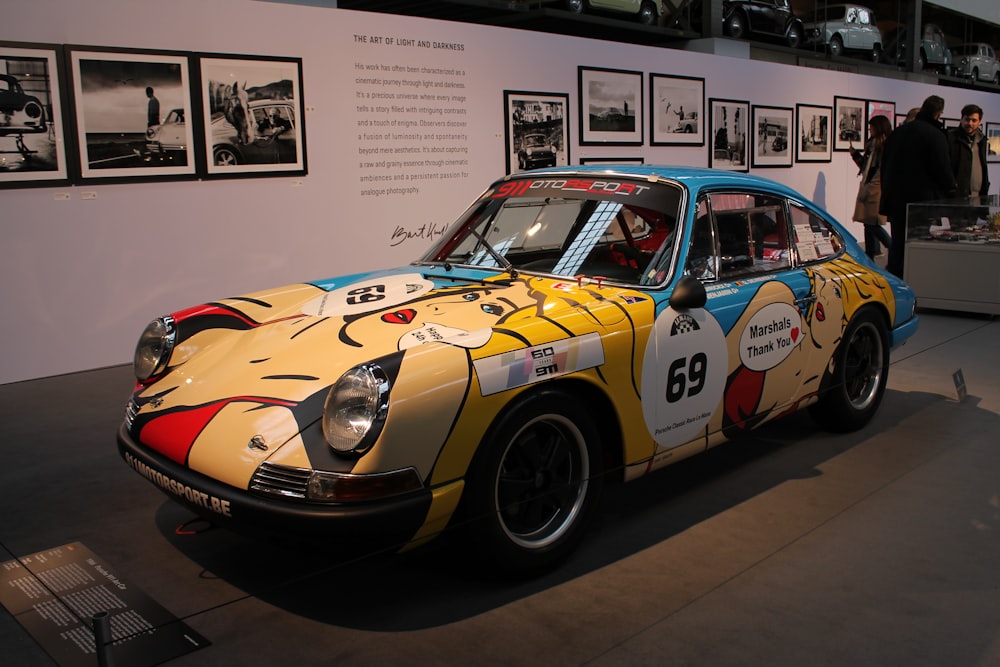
852	120
537	130
728	129
881	108
253	120
131	111
32	126
772	132
612	160
813	136
676	110
611	106
993	137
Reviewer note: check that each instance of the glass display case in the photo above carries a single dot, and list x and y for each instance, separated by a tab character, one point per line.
953	254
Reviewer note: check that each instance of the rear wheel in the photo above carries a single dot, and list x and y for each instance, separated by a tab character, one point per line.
836	46
647	13
852	391
736	26
534	484
876	54
975	74
794	36
576	6
225	156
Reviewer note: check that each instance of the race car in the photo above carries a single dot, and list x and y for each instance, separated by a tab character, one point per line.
575	327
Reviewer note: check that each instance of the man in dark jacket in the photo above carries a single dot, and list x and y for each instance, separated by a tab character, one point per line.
916	166
968	147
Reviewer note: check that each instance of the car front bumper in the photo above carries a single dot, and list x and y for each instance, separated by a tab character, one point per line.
374	525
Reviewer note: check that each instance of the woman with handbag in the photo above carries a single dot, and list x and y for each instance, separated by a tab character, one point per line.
870	191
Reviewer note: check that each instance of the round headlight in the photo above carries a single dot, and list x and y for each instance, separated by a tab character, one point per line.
355	409
152	352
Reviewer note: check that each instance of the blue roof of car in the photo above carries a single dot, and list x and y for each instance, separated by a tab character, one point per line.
694	178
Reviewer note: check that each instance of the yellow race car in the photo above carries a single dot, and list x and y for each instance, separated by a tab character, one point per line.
575	326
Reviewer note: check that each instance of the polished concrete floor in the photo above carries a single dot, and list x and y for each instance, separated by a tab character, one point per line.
795	547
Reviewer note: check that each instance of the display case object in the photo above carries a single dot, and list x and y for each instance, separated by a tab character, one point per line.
952	258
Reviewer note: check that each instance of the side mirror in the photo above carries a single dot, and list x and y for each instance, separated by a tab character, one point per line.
689	293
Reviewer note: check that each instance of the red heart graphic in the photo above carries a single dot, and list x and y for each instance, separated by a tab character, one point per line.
795	334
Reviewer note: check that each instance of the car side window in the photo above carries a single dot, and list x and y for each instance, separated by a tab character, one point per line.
814	238
752	233
702	259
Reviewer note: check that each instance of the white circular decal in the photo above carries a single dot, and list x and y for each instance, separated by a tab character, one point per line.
770	336
683	375
369	294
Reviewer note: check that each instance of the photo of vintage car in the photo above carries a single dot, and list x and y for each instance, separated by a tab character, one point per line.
576	327
536	151
269	141
742	19
18	110
845	28
976	61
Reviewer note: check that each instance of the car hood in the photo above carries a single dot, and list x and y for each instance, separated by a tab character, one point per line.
249	375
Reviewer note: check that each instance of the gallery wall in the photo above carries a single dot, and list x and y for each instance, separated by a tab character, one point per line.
405	121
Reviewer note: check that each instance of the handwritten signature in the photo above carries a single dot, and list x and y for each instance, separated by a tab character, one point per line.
428	230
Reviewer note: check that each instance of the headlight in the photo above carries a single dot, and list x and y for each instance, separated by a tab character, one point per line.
152	352
355	409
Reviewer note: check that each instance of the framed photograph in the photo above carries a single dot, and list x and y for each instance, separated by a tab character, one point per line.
772	131
612	160
951	122
993	137
610	106
879	108
813	141
32	120
676	110
852	122
252	116
537	129
131	114
728	129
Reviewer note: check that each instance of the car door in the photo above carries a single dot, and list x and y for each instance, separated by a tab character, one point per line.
761	300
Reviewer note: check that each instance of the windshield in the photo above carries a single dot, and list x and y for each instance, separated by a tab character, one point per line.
615	230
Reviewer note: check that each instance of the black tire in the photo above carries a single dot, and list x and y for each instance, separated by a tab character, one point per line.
836	46
576	6
647	13
534	484
225	156
795	36
921	61
736	26
876	54
33	109
975	74
852	392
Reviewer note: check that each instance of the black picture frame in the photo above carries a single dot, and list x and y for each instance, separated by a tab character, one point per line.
534	114
234	88
33	146
851	117
729	128
613	160
115	95
882	108
993	145
611	106
676	110
773	128
814	141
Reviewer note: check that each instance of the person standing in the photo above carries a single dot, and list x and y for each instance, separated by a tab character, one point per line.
916	166
869	164
152	109
968	148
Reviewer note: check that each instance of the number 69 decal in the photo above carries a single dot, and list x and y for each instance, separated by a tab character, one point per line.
683	375
367	295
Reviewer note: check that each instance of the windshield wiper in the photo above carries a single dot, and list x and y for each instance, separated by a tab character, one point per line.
501	260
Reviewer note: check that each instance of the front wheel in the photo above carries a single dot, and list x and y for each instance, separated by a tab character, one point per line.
836	46
876	53
576	6
852	390
736	26
795	36
647	13
534	484
225	156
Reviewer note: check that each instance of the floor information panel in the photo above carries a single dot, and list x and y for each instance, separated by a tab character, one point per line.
55	595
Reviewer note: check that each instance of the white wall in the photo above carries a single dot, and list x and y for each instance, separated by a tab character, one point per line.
80	277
